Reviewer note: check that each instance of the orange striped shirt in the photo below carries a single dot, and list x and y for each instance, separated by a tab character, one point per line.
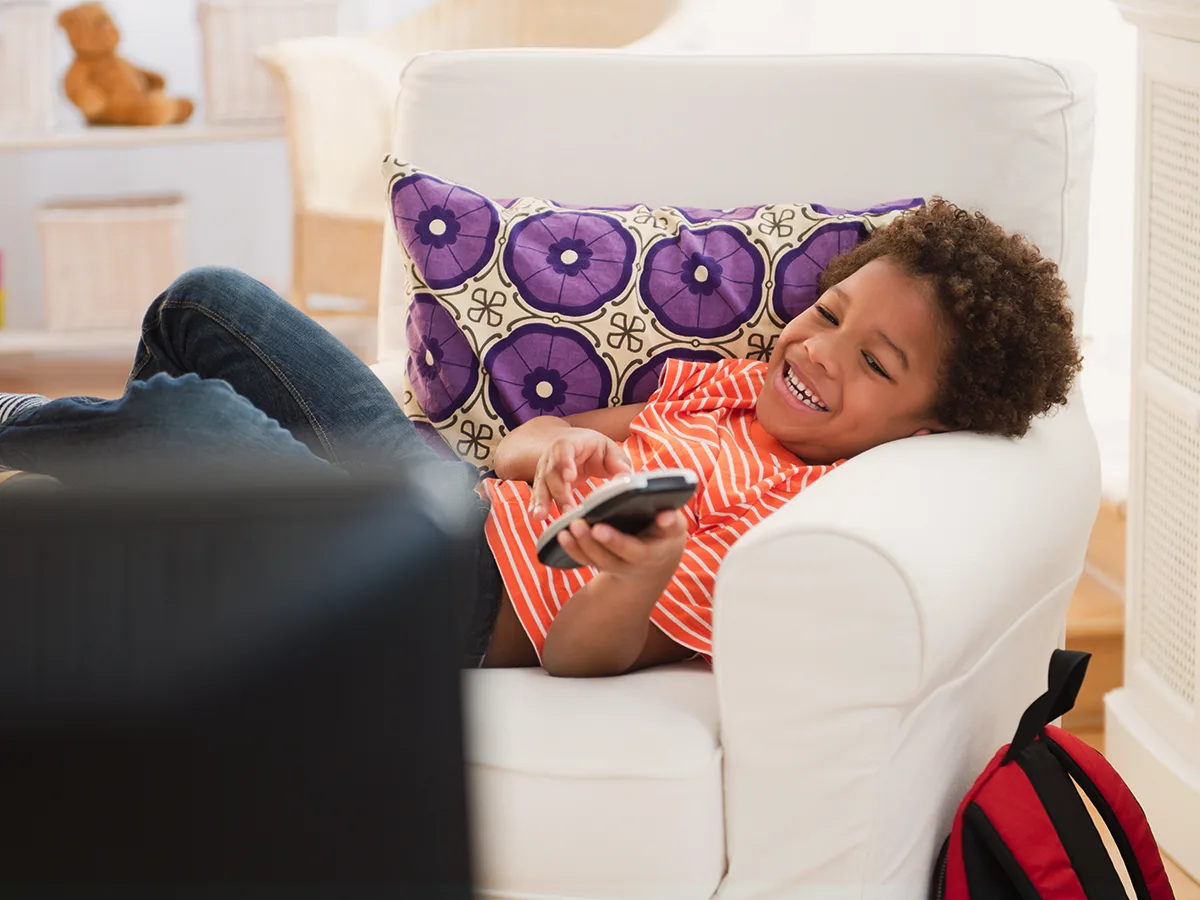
700	418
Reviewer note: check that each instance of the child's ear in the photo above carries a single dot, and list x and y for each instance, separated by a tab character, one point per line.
936	429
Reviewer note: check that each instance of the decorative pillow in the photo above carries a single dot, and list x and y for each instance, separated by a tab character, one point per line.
526	307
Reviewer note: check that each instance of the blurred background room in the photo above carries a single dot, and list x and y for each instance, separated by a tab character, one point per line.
296	199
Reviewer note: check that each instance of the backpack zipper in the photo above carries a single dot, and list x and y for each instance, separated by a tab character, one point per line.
939	877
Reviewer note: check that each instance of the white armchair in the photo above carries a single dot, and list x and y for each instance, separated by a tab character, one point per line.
340	91
876	640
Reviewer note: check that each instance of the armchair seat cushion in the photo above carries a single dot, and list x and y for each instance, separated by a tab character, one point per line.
602	787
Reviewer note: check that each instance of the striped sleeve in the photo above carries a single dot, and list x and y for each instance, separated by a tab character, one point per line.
680	378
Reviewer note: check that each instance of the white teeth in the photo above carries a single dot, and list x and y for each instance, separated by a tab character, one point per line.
803	393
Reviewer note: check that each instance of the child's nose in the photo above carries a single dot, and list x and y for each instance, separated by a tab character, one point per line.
821	354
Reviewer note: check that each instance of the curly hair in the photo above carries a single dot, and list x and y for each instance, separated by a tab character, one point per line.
1011	352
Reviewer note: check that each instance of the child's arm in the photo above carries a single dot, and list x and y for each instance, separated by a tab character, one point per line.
551	453
605	628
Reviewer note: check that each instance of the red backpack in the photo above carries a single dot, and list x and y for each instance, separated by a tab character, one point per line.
1022	832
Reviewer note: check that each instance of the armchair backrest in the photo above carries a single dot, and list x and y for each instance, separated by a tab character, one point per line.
1011	136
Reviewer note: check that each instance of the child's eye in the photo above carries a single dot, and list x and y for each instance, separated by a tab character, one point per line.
876	366
827	314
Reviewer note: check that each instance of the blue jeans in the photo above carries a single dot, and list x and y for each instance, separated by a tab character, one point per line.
229	379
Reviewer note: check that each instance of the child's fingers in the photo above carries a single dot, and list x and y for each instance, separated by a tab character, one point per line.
625	546
558	489
600	557
573	549
539	503
670	524
674	520
616	460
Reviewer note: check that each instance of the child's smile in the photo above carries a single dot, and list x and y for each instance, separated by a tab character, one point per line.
857	369
795	389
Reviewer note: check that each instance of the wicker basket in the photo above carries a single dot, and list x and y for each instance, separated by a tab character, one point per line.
238	87
27	82
105	260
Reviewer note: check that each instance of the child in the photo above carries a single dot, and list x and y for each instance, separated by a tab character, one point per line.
939	322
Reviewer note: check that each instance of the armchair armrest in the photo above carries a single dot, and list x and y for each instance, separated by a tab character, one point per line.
340	97
875	641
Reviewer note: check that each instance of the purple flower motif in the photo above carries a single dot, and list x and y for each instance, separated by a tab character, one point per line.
878	210
698	214
644	380
701	274
798	274
541	369
442	366
569	256
705	282
544	389
449	232
569	262
437	226
429	356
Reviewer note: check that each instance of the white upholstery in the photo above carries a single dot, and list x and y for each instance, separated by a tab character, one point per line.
627	776
876	639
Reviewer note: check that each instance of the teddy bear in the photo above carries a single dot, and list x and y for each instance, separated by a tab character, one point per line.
107	89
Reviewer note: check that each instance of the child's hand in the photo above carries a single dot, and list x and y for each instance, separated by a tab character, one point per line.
579	453
653	555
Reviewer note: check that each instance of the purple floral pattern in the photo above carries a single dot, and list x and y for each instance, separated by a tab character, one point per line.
448	231
798	272
612	289
442	366
570	263
705	282
541	370
644	380
877	210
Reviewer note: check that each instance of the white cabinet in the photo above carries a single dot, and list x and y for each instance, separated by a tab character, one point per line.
1153	723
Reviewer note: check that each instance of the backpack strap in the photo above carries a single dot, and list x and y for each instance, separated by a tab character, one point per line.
956	886
1067	668
1120	810
1019	825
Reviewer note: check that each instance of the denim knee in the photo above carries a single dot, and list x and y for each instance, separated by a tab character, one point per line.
214	287
203	416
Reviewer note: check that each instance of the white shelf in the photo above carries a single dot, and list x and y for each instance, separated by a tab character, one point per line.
80	137
89	344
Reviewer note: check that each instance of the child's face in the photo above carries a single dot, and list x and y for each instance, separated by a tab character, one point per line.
869	351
